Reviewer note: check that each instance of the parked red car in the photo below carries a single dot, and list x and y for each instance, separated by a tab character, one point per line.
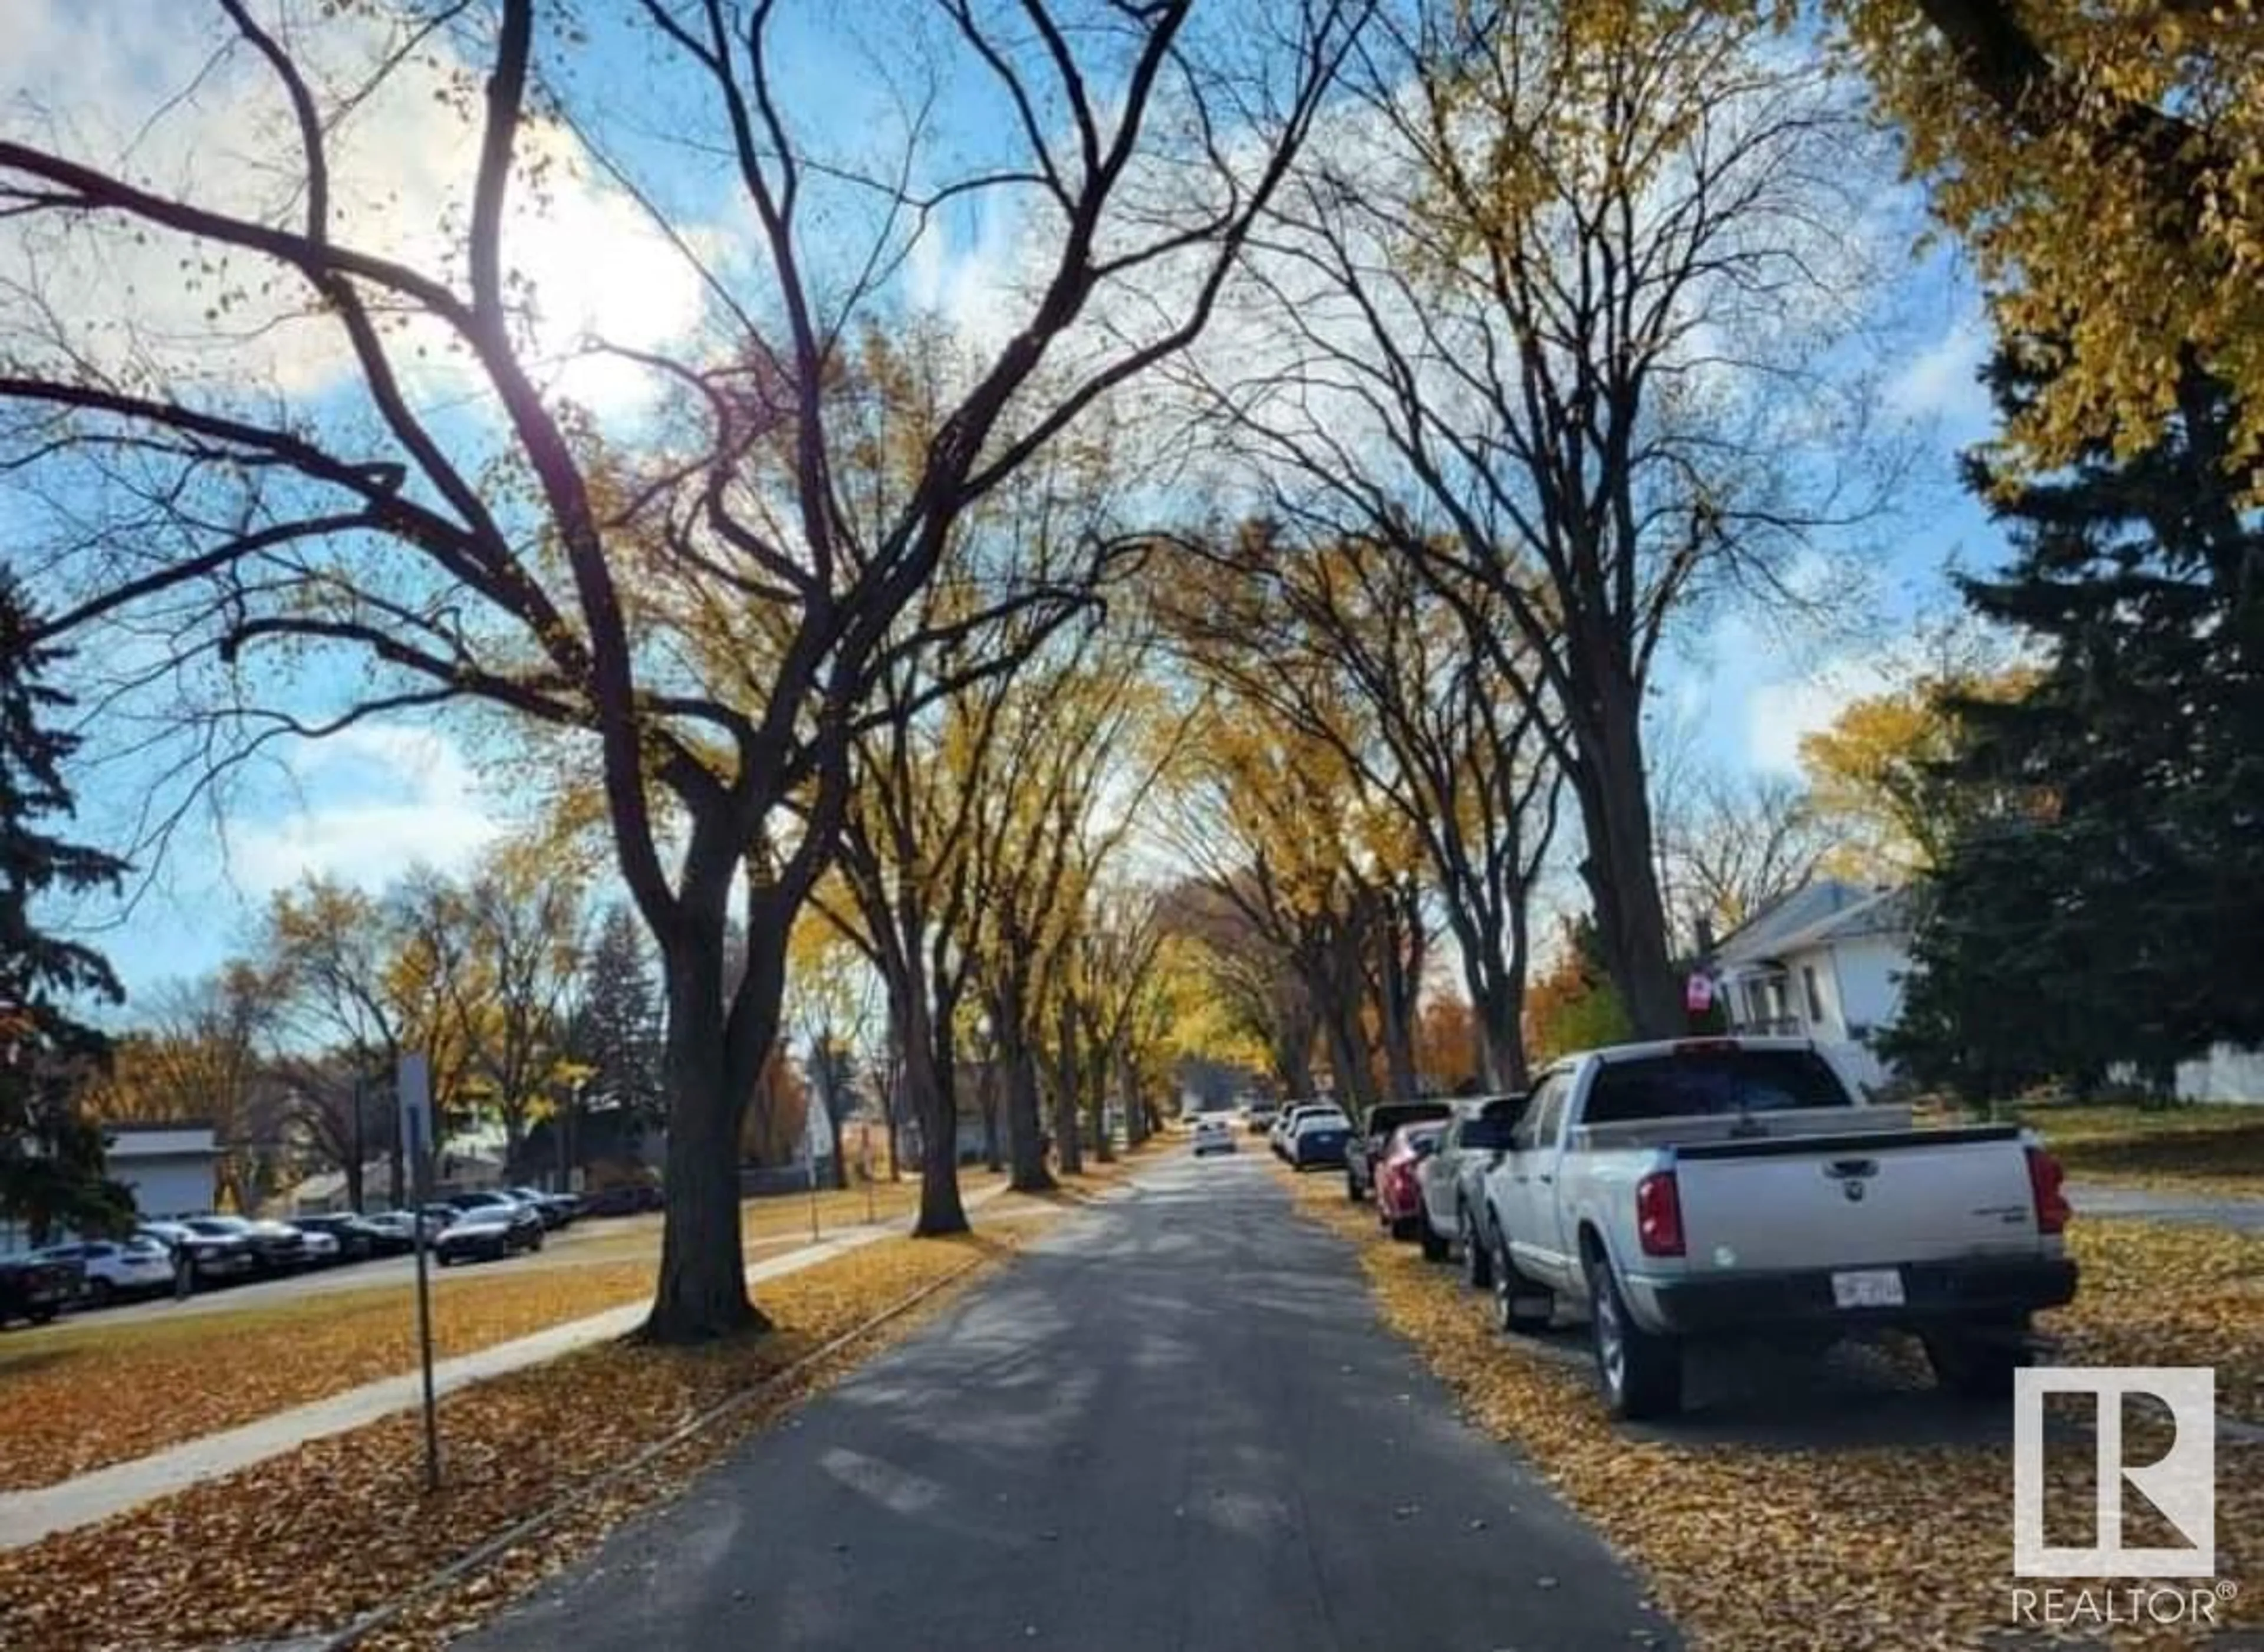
1398	1195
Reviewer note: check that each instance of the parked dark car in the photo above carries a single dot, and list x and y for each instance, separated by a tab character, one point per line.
1374	1134
524	1219
1454	1183
276	1247
1318	1140
488	1234
36	1288
358	1239
214	1258
623	1198
556	1209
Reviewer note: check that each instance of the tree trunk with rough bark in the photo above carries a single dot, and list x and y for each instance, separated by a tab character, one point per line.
1129	1097
702	1291
1069	1147
932	1086
1620	870
1026	1146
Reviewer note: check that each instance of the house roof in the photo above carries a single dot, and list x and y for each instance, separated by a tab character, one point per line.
1826	910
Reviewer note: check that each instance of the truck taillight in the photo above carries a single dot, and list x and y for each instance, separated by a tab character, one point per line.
2044	1178
1659	1215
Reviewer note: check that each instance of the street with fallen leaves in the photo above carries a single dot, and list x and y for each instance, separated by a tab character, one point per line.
1779	1519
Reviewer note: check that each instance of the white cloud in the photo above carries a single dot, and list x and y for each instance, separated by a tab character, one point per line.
147	95
1940	382
372	803
1779	713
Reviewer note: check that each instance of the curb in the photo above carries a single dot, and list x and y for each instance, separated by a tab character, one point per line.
480	1554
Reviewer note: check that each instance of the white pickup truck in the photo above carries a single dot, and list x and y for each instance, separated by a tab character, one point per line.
1722	1185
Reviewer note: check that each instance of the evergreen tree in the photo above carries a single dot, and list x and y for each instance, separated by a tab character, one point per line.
619	1024
51	1159
2107	901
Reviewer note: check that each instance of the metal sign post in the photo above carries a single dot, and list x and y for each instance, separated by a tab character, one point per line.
414	1083
809	1152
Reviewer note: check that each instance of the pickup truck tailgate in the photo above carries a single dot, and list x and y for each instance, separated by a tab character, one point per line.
1856	1199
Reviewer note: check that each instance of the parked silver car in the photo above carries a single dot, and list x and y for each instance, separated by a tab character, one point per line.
1453	1183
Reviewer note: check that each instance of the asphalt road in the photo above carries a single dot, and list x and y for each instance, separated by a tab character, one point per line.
1175	1424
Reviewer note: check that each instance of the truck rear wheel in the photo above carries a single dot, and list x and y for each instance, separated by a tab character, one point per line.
1434	1248
1976	1363
1351	1188
1639	1373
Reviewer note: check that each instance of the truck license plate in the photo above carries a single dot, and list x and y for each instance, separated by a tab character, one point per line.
1868	1287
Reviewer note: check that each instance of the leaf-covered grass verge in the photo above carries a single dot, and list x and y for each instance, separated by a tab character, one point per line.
310	1541
86	1393
2201	1150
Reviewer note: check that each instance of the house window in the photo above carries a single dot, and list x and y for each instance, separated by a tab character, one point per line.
1815	999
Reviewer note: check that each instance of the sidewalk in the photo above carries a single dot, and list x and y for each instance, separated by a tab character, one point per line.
2228	1211
26	1517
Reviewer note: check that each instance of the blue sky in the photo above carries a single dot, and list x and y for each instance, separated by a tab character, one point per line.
369	807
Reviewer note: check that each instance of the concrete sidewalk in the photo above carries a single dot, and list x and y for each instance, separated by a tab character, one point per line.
2228	1211
26	1517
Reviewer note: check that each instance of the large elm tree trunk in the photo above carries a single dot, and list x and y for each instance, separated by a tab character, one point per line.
1068	1146
713	1065
1620	870
930	1064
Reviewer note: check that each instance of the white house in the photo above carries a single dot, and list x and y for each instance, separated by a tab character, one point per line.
169	1167
1825	962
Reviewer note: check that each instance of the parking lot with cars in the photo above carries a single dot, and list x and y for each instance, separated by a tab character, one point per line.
243	1262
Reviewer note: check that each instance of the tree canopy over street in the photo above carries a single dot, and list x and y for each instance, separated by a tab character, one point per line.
1093	551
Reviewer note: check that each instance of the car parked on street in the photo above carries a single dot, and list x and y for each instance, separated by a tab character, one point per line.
214	1258
1453	1183
116	1270
1258	1117
1367	1147
1739	1185
1398	1194
393	1232
556	1209
276	1247
36	1288
524	1219
1278	1136
488	1233
358	1237
1318	1139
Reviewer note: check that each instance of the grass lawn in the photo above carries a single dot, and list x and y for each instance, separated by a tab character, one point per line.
2198	1149
88	1392
224	1564
1750	1547
104	1389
